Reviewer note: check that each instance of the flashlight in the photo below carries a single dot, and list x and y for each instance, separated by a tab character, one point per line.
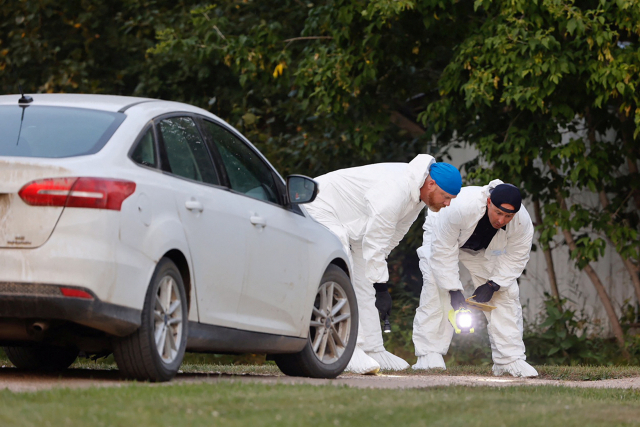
387	326
461	320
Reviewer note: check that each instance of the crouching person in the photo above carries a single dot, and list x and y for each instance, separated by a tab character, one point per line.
490	232
370	208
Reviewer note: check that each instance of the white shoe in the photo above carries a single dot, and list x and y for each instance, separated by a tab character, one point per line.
360	363
388	360
430	361
518	368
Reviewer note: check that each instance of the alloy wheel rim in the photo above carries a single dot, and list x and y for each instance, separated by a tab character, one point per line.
168	319
330	326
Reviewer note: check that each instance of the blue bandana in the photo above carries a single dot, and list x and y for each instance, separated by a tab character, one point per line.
447	177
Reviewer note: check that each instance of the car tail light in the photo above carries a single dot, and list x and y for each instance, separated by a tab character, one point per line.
75	293
95	193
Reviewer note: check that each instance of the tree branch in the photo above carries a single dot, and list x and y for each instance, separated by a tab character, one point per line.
549	259
403	122
307	38
595	280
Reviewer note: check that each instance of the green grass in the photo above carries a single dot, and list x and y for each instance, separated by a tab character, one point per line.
247	404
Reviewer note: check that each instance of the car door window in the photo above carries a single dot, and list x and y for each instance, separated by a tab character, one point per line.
187	154
145	151
248	173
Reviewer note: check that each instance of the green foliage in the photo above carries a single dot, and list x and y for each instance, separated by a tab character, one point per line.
566	337
546	91
561	338
321	80
532	89
241	403
84	46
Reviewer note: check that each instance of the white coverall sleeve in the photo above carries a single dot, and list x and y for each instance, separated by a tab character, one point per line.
385	204
511	264
402	228
443	258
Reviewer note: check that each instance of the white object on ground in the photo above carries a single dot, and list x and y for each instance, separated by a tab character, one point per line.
430	361
518	368
360	363
388	360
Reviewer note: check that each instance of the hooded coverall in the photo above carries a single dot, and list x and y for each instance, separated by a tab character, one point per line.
503	261
370	208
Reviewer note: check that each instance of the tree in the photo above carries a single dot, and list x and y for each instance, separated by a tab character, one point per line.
546	90
85	46
344	76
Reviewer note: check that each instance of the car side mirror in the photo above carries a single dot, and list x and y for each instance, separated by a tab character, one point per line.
301	189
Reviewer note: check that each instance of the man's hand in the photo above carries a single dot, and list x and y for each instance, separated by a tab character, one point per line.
484	293
383	300
457	300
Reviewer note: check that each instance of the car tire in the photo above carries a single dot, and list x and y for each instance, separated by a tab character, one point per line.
332	337
42	357
155	351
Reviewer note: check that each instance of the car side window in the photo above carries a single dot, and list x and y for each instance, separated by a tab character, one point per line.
187	153
145	151
248	173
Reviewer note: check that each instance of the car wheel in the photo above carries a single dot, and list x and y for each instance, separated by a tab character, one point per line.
332	332
42	357
155	351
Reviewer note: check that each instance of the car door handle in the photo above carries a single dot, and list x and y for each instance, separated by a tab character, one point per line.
194	205
258	221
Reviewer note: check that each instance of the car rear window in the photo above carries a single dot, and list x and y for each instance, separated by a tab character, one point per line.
52	132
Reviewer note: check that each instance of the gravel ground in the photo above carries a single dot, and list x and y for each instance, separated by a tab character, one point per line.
17	381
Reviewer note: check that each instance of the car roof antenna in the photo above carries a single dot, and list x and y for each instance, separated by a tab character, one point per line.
25	99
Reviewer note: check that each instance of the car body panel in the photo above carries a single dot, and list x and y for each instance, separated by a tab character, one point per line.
113	254
219	228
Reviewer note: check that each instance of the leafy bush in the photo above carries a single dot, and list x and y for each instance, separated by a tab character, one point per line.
561	338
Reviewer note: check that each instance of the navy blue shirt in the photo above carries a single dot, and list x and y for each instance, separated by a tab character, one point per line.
482	235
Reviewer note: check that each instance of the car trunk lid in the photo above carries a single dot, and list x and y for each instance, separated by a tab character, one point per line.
22	225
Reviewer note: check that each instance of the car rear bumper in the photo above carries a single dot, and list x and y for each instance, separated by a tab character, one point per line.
45	302
84	251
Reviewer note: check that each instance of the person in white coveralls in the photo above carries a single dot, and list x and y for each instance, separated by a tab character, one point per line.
370	208
490	232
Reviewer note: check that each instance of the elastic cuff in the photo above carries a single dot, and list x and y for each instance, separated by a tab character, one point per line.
381	287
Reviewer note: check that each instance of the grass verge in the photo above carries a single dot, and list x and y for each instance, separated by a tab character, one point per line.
244	404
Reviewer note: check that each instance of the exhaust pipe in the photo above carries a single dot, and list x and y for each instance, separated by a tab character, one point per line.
22	330
38	328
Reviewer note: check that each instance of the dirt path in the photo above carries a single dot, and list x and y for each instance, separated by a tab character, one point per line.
16	381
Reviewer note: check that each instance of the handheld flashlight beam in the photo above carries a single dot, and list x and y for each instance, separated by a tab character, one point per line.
461	320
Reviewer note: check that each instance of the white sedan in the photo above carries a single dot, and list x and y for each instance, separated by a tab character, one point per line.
148	228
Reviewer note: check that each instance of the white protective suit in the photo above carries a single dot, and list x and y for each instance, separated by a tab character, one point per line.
370	208
502	262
